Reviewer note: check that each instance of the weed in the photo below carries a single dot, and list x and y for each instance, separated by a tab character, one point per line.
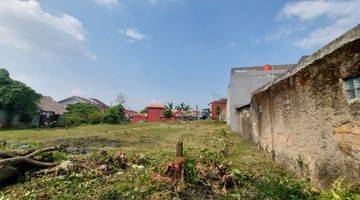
190	172
110	195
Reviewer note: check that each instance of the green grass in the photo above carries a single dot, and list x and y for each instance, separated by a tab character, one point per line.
153	146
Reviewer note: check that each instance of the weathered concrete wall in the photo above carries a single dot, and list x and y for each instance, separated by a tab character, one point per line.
305	119
243	81
244	123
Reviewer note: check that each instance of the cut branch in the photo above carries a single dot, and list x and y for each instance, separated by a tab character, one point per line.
43	150
28	158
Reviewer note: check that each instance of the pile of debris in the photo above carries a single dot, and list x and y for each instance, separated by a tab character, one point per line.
186	172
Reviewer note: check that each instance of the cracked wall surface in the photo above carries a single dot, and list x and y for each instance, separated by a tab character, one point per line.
316	132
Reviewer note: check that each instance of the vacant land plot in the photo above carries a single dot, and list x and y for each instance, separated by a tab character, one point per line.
219	165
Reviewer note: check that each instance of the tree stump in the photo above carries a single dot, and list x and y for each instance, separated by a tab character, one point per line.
179	149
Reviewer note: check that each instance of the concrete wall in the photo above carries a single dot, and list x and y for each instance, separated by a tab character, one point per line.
305	119
244	127
243	81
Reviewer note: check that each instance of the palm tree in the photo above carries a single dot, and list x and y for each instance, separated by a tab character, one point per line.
183	107
169	106
168	110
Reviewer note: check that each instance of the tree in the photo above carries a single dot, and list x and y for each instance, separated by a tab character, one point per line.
17	98
218	111
169	106
183	107
168	110
81	113
143	110
120	99
114	115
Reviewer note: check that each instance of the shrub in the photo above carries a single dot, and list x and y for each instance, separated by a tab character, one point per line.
110	195
114	115
96	118
72	120
81	113
168	113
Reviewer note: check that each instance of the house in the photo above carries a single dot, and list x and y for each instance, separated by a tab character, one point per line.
49	112
243	81
138	117
221	103
308	118
77	99
155	112
129	113
182	115
178	114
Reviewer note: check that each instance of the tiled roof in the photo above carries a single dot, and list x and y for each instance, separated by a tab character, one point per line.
102	106
155	105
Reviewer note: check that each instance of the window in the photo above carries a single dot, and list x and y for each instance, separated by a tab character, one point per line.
287	102
353	88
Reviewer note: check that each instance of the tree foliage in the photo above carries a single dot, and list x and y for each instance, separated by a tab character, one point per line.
183	107
168	110
115	114
218	111
168	113
17	98
81	113
169	106
120	99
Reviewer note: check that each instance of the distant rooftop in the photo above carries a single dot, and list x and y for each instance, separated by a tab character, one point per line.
261	68
155	105
49	105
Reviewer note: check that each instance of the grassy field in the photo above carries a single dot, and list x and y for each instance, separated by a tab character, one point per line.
150	148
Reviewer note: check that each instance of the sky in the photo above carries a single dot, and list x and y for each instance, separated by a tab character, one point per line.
158	50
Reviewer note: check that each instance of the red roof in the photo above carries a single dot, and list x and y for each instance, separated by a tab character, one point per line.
267	67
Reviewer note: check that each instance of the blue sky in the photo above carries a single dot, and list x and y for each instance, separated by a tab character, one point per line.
158	50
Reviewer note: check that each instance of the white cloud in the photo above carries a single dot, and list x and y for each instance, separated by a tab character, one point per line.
108	3
26	26
132	35
343	14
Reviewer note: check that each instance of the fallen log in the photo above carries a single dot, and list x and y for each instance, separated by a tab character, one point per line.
11	154
14	164
14	158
